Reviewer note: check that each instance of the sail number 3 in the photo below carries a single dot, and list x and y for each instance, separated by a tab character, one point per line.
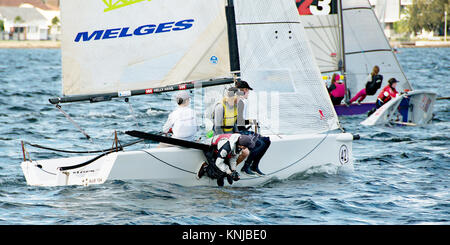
314	7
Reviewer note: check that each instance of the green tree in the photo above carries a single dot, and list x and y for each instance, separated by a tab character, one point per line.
426	14
2	26
18	19
55	21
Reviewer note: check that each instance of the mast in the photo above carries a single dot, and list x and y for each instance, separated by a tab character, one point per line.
235	66
342	63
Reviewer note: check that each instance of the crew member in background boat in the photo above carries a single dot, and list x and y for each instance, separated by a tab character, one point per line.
389	92
182	122
227	152
251	164
374	81
336	89
226	112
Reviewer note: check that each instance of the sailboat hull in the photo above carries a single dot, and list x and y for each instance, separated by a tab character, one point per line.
287	156
353	109
409	109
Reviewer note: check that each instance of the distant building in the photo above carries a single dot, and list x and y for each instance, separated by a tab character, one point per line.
24	23
49	10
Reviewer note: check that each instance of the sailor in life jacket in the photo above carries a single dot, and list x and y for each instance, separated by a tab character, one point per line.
182	122
226	113
389	92
336	89
228	151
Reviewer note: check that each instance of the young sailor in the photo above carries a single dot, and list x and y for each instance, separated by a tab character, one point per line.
225	113
374	81
182	122
251	164
389	92
336	89
227	152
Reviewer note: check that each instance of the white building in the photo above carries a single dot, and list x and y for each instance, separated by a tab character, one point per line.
25	23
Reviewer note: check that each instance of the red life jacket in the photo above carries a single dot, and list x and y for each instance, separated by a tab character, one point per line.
222	136
387	94
216	142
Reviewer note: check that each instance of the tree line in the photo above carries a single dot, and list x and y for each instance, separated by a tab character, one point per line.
425	14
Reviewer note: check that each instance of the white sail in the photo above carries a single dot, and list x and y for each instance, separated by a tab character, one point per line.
322	27
367	46
113	46
275	55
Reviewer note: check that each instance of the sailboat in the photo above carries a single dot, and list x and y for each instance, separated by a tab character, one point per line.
346	37
150	47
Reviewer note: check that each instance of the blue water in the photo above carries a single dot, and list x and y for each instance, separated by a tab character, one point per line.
401	175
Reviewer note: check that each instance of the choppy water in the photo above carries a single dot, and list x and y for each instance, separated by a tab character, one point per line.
401	175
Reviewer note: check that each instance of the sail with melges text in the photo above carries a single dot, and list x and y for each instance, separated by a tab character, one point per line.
111	47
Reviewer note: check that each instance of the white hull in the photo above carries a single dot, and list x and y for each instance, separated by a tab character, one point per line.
417	110
287	155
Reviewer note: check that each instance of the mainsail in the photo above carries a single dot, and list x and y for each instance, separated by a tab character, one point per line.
275	55
140	45
367	46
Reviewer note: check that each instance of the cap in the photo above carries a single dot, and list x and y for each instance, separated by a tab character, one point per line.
392	81
183	95
242	84
246	141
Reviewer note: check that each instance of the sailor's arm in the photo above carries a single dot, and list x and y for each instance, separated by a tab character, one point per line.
220	161
169	124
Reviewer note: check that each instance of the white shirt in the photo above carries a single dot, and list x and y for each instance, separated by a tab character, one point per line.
183	123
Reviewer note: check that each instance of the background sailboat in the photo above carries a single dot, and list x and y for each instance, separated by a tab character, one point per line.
364	43
157	46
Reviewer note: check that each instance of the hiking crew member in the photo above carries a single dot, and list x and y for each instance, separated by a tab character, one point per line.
336	90
374	81
225	113
227	152
251	164
182	122
389	92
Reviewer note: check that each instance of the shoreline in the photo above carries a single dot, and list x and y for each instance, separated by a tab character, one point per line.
12	44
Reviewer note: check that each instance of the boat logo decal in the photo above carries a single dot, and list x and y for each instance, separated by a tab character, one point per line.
321	115
316	7
112	5
214	60
142	30
343	155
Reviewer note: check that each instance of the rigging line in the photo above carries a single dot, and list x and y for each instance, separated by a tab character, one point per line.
132	111
76	125
321	49
295	162
73	122
184	170
326	35
329	49
78	152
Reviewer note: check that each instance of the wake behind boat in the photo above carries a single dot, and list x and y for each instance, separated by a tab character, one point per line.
155	47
